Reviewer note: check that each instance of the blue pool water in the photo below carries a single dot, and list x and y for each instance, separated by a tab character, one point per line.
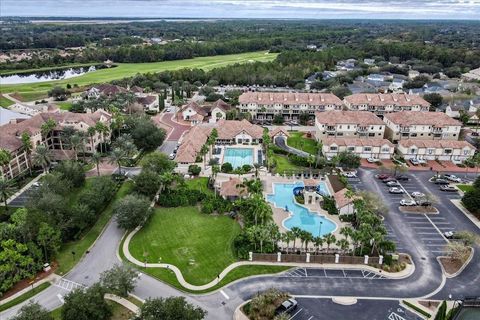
237	157
300	216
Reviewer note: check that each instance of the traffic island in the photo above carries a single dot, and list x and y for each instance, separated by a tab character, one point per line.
452	267
418	209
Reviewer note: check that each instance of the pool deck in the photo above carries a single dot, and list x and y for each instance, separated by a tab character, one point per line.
280	214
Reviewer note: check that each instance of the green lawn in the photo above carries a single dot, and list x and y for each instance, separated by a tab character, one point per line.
130	69
200	184
5	102
298	141
25	296
65	258
64	105
56	314
30	95
119	312
199	245
284	165
465	187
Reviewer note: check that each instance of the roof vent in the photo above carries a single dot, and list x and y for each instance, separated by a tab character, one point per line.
381	97
368	97
407	98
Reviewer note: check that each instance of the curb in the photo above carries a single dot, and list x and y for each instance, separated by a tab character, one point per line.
465	264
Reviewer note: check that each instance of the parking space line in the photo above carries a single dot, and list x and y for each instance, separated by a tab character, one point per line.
310	318
296	313
325	272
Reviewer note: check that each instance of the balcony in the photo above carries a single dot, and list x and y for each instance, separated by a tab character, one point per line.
362	129
404	130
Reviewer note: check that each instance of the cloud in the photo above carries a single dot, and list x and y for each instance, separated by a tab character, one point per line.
318	9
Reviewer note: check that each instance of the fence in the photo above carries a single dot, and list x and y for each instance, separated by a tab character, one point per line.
310	258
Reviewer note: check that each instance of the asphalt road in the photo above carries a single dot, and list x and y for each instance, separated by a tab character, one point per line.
281	142
427	279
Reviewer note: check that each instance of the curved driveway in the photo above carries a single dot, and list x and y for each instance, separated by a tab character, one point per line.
423	282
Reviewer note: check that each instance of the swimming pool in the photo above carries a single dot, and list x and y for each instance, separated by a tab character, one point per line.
300	216
238	157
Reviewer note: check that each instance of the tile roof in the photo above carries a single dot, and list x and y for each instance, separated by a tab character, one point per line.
228	129
435	144
195	106
348	117
222	105
379	99
232	188
341	199
408	118
278	130
146	100
315	99
109	89
354	142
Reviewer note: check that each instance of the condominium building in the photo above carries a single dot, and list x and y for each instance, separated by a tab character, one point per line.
11	137
266	105
421	125
348	124
445	150
381	104
364	148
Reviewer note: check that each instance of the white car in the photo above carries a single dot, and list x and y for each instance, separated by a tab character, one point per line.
171	156
371	160
422	161
168	110
350	174
415	161
407	202
452	177
396	190
417	194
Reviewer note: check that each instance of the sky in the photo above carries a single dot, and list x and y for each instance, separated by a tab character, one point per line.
280	9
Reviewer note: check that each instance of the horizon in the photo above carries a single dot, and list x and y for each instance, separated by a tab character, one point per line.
246	9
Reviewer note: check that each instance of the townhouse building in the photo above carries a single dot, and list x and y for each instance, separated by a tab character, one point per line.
375	148
348	124
264	106
444	150
383	103
421	125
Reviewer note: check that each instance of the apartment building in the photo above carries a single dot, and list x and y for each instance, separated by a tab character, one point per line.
375	148
348	124
421	125
445	150
264	106
381	104
11	137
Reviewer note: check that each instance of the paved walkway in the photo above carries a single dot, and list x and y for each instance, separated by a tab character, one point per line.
124	302
398	275
178	128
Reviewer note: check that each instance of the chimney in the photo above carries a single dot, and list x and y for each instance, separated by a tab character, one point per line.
381	97
322	98
407	98
368	98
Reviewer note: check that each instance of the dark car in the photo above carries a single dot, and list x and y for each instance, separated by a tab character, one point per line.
402	177
389	179
448	188
287	306
441	181
382	176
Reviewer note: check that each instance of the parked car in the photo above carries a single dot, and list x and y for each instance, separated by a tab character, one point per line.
36	184
168	110
448	188
417	194
382	176
414	161
393	184
371	160
171	156
287	306
407	203
452	177
441	181
424	203
422	161
449	234
396	190
402	177
389	180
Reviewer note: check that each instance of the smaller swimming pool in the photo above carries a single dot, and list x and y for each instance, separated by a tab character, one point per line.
238	157
300	216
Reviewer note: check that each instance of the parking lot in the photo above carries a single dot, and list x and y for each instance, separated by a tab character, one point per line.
331	273
22	199
427	228
323	309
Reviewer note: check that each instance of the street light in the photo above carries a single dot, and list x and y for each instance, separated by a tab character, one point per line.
320	229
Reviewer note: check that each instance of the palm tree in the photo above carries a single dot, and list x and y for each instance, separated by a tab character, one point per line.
27	147
47	127
97	158
330	239
42	157
7	189
349	194
318	241
203	153
288	236
346	232
296	233
116	157
103	130
307	238
256	166
343	244
75	143
91	131
5	158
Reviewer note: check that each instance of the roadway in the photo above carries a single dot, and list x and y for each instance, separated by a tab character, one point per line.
310	286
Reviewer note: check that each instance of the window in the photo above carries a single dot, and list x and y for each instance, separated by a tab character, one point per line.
367	149
413	150
430	151
448	151
371	134
333	148
385	149
466	152
351	149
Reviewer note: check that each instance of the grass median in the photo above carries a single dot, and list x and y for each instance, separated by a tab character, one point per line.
298	140
24	297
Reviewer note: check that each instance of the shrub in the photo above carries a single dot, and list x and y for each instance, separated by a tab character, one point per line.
329	205
147	183
227	167
132	211
246	168
195	170
71	171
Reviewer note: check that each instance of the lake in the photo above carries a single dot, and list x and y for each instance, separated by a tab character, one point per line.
47	75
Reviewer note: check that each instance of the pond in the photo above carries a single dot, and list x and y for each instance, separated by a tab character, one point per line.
47	75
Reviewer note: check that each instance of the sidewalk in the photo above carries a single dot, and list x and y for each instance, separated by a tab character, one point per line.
397	275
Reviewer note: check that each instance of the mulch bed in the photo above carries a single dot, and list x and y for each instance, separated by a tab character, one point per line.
418	209
26	282
432	305
450	266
